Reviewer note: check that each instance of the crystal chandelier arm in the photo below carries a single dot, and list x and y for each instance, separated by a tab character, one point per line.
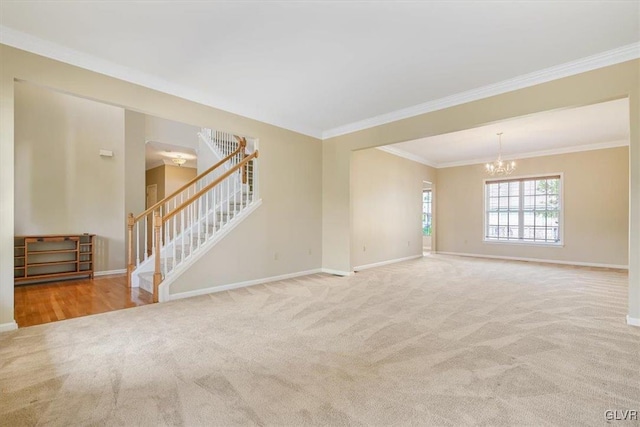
499	167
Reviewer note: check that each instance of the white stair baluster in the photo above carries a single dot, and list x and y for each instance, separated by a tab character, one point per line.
198	224
138	245
206	216
219	205
174	243
227	201
214	211
182	232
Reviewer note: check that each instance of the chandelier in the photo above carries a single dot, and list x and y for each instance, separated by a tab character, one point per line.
500	167
179	161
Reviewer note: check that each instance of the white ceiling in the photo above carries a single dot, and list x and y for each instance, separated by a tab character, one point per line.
324	68
158	153
577	129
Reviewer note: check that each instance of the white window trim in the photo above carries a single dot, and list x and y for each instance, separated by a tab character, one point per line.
560	244
430	190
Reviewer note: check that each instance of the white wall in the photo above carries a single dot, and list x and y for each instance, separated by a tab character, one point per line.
205	157
62	184
171	132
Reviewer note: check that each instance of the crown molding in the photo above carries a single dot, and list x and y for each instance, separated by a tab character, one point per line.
33	44
610	57
530	154
555	151
167	162
406	155
190	164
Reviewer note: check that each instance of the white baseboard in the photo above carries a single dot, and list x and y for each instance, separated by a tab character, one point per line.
109	272
6	327
165	286
545	261
336	272
381	263
633	321
244	284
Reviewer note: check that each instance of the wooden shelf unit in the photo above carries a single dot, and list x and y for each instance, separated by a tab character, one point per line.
53	256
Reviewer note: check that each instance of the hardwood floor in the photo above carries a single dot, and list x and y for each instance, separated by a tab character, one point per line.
49	302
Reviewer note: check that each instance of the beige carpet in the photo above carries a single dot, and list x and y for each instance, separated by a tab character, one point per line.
435	341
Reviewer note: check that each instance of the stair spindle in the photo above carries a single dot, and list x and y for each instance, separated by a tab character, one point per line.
157	275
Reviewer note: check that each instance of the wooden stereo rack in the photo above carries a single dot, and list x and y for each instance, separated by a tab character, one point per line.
47	257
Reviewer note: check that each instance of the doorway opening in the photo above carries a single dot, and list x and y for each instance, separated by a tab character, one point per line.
80	167
427	217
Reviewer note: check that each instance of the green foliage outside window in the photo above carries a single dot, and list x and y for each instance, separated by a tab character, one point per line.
426	212
550	186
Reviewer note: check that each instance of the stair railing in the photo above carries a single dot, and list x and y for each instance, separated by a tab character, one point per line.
222	143
199	217
141	231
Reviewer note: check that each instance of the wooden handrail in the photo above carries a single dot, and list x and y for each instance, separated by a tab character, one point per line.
241	147
221	178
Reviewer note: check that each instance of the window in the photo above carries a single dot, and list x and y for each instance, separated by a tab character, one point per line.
426	212
526	210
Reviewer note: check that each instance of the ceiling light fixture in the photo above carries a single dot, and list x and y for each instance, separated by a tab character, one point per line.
179	161
499	167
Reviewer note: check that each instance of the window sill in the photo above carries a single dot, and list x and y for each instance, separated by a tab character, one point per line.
517	243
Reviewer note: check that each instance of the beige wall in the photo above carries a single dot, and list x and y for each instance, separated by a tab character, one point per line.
177	176
288	222
156	176
283	235
613	82
168	178
62	184
386	206
304	223
596	208
134	165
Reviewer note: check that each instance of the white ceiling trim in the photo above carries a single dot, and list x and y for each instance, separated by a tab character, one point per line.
611	57
552	152
406	155
167	162
24	41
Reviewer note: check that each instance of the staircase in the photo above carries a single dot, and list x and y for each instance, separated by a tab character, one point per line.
172	234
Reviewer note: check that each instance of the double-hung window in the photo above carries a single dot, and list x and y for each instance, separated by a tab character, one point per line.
524	210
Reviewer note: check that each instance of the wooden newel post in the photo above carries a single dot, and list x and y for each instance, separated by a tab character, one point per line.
130	223
157	275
